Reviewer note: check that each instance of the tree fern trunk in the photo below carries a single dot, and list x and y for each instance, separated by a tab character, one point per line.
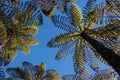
108	54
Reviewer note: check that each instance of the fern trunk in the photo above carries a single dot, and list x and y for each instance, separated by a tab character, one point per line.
108	54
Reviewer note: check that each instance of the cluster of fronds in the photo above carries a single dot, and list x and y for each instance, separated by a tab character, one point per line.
31	72
18	28
72	41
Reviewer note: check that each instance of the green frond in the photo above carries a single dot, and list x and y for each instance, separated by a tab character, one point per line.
89	14
79	57
24	49
51	75
94	14
40	71
35	41
25	40
25	15
29	30
3	34
109	31
67	37
76	14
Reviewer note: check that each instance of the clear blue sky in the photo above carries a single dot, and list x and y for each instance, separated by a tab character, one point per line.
42	53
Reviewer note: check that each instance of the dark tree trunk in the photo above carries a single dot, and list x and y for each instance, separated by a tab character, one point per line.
108	54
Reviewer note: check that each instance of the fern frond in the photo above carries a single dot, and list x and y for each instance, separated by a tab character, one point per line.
52	75
91	59
79	57
64	23
69	77
66	50
29	68
54	44
113	6
76	15
88	8
108	19
109	31
93	14
40	71
104	74
62	38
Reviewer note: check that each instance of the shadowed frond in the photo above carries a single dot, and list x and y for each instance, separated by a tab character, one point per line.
93	14
29	72
107	74
108	19
90	58
84	76
109	31
51	75
2	74
19	73
29	68
62	21
65	50
113	6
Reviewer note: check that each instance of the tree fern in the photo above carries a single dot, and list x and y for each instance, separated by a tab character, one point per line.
83	26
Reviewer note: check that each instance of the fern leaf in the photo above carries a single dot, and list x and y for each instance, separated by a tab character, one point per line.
40	71
65	50
63	23
109	31
67	37
29	68
91	59
76	15
79	57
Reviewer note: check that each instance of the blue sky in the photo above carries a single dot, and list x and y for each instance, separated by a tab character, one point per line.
42	53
